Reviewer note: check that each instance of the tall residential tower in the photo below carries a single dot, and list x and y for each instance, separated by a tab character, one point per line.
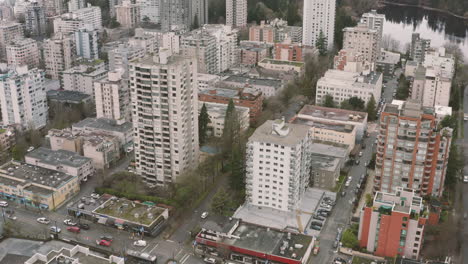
319	16
236	13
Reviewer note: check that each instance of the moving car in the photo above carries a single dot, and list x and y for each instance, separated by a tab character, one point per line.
209	260
465	178
103	242
360	153
30	149
347	183
69	222
357	162
43	220
204	215
73	229
95	196
55	229
83	226
140	243
3	204
107	238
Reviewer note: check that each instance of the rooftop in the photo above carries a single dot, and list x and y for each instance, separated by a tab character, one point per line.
409	108
325	163
276	83
281	62
278	132
342	78
66	96
220	109
315	111
328	150
229	93
15	173
58	157
77	254
104	124
403	200
219	223
343	128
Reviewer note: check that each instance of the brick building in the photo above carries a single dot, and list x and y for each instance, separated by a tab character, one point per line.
288	51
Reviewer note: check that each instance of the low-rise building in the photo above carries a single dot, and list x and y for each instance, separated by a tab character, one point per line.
251	243
112	97
394	224
440	60
252	52
343	85
64	161
36	186
124	214
246	97
207	80
262	33
350	61
329	132
282	65
288	51
68	97
337	116
7	138
77	254
325	171
81	78
268	87
122	130
23	52
217	115
387	61
430	87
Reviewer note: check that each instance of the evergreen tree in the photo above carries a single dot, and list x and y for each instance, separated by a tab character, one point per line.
328	102
231	129
371	109
321	44
203	120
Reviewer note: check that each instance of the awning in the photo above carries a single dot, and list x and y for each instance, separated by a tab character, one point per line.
119	222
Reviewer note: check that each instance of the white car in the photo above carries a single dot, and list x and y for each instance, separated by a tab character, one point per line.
69	222
30	149
350	178
465	179
209	260
360	154
204	215
140	243
3	204
347	183
43	220
55	229
95	196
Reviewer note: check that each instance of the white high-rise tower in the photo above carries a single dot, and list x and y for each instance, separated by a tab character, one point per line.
319	15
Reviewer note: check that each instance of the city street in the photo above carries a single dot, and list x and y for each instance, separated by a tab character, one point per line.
341	213
464	247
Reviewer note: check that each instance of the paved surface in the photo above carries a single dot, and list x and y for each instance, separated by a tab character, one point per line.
341	214
464	247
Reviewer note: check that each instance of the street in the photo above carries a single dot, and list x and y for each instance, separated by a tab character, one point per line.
341	213
464	246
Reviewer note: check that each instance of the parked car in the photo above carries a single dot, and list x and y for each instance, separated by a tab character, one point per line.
339	260
107	238
30	149
316	223
140	243
343	194
73	229
357	162
465	178
360	153
204	215
12	217
318	217
83	226
209	260
347	183
95	196
55	229
69	222
3	204
43	220
315	227
336	243
103	242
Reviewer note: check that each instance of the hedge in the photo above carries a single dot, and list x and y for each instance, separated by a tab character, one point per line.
134	196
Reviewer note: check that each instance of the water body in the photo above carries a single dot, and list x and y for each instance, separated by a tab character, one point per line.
401	22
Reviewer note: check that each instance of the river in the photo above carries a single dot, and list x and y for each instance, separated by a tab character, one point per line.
401	22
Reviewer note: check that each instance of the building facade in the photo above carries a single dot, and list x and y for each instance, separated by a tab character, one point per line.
23	98
66	24
8	32
112	97
262	33
227	50
430	87
174	15
418	47
86	40
165	116
394	224
128	14
35	19
412	151
203	46
441	61
288	51
90	15
59	55
23	52
278	165
236	13
81	78
363	40
217	115
319	16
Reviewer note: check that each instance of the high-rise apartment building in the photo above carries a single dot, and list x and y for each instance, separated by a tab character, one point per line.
23	98
394	224
278	165
112	97
54	7
227	50
198	10
441	61
165	116
59	54
430	87
150	9
86	40
120	57
412	150
236	13
112	5
35	19
418	47
23	52
363	40
66	24
375	21
128	14
203	46
263	33
174	14
81	78
8	32
90	15
319	16
74	5
6	12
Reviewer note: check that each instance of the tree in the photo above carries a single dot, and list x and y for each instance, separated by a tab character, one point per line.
369	200
113	23
402	92
203	120
342	21
328	101
349	239
231	129
221	202
146	19
321	44
371	109
354	103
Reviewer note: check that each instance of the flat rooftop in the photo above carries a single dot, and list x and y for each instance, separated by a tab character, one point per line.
315	111
276	83
342	78
77	254
220	109
329	150
343	128
67	96
58	157
104	124
409	108
281	62
403	200
295	134
30	173
130	211
325	163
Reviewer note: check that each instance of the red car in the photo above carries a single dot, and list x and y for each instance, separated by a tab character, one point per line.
103	243
73	229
